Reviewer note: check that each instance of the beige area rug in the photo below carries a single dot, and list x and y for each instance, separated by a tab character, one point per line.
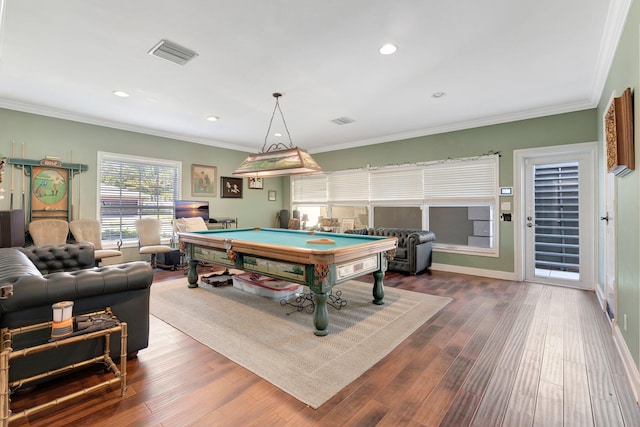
279	345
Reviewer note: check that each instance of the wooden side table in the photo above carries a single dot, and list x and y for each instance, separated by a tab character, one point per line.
7	353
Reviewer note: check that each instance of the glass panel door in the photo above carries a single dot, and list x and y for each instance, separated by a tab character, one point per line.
558	197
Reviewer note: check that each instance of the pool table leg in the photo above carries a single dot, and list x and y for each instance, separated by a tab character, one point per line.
378	288
320	314
192	277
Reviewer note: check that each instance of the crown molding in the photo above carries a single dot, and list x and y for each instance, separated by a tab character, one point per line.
470	124
81	118
614	25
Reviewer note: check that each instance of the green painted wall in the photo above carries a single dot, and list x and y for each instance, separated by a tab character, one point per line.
625	73
504	138
80	143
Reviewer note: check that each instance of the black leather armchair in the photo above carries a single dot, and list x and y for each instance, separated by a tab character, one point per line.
42	276
413	254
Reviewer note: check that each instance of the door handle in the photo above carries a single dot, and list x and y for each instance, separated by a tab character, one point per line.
605	218
530	224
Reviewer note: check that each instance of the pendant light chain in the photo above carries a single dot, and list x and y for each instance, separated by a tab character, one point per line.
276	145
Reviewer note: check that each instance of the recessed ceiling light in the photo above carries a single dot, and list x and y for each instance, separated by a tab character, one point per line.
388	49
438	94
277	134
121	93
213	118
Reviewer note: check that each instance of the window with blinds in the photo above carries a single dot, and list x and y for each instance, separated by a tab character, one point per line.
437	182
348	186
309	188
134	187
459	198
455	180
397	184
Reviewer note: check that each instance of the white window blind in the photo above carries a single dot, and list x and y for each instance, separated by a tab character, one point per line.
472	180
309	188
468	179
396	184
349	186
135	187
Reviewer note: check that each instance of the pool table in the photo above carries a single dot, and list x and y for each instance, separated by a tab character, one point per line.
318	260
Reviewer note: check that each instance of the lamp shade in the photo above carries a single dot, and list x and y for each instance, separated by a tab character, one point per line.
291	161
272	161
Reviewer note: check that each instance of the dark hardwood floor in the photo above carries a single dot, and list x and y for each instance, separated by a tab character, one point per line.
501	354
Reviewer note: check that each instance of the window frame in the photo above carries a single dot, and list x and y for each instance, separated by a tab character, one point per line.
163	211
493	251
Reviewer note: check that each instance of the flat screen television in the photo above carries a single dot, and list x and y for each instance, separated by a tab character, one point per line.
192	208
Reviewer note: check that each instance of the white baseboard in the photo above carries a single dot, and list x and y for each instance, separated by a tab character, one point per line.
621	346
602	298
628	362
494	274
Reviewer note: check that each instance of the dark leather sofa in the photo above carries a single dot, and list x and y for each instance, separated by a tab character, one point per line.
413	254
42	276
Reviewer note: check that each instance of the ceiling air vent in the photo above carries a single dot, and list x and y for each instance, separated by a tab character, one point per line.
172	52
342	120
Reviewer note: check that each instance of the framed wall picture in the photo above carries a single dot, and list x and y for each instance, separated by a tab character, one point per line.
203	180
618	125
231	187
272	195
256	183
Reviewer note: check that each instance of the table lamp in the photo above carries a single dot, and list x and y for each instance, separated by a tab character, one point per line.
62	319
304	220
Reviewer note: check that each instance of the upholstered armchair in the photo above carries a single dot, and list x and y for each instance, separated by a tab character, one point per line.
88	230
149	238
49	232
185	225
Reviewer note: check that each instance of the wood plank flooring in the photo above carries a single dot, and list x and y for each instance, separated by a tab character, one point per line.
501	354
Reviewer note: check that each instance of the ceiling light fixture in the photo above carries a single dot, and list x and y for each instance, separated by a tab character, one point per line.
388	49
278	159
121	93
213	118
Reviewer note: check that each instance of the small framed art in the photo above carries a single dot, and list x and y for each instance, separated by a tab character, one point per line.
272	195
256	183
231	187
203	180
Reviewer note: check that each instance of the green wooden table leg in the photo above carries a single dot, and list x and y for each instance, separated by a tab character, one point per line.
378	288
321	314
192	277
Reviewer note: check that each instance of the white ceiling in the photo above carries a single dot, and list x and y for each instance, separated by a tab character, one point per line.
497	61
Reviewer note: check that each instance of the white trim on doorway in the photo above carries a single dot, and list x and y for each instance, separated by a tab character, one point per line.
588	149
